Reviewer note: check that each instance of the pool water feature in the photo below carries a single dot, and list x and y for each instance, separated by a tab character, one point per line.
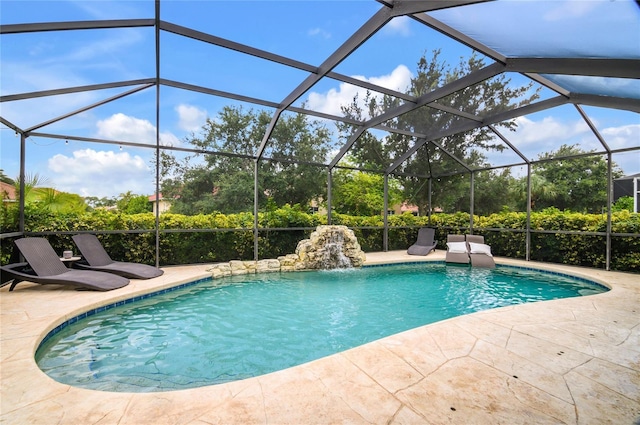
238	327
334	257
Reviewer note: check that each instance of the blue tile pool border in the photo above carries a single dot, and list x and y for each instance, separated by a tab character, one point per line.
106	307
137	298
500	266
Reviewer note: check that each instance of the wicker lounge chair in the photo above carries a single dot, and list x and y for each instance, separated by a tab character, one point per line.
457	250
479	252
43	266
96	258
425	243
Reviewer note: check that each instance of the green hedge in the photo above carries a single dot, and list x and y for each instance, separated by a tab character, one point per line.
218	237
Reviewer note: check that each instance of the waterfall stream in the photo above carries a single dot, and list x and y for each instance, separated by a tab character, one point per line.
333	253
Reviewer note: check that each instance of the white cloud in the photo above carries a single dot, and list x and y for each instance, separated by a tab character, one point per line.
548	134
20	78
319	32
190	117
533	138
551	132
399	79
102	52
398	26
101	173
331	101
64	61
121	127
50	66
625	136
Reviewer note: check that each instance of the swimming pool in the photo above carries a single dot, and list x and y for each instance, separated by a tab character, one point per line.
230	329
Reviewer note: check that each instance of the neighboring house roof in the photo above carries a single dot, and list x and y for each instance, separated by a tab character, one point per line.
406	207
152	198
632	176
8	191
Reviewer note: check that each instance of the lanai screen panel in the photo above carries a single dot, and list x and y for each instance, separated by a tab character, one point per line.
496	152
211	66
273	26
265	52
560	30
551	29
542	134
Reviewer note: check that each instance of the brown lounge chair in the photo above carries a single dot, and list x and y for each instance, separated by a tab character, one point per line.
425	243
479	252
96	258
457	250
43	266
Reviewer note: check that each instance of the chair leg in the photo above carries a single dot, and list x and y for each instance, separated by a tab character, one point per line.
13	285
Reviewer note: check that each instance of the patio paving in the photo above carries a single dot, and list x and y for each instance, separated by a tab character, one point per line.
570	361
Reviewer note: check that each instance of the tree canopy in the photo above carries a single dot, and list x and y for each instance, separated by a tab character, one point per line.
5	179
440	157
579	183
290	170
223	180
362	194
131	203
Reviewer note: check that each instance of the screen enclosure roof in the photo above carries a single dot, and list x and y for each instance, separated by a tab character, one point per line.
161	63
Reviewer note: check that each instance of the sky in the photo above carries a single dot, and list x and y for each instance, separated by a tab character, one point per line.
306	31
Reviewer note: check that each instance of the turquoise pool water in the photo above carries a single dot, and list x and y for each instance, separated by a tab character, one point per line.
238	327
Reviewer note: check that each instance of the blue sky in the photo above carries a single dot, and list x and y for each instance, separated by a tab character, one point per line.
307	31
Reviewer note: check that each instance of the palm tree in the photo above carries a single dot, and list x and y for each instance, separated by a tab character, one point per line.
49	198
541	189
31	181
6	179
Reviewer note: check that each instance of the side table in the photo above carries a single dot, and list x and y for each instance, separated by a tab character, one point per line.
69	261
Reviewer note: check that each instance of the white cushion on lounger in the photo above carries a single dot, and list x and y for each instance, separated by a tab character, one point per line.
480	248
457	247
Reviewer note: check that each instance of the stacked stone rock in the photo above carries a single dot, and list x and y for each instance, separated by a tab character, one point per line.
310	254
312	251
237	267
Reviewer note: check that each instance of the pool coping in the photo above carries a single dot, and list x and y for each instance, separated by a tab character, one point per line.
574	360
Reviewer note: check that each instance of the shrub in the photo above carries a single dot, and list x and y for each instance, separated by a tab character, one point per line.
218	237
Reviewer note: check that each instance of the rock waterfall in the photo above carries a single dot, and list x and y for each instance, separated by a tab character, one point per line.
330	247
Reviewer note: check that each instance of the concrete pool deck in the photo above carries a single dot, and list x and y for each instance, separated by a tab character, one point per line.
570	361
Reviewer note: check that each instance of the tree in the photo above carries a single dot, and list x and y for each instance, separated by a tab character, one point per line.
6	179
49	198
623	203
495	191
542	191
359	193
441	160
59	202
579	184
224	181
131	203
95	202
31	181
